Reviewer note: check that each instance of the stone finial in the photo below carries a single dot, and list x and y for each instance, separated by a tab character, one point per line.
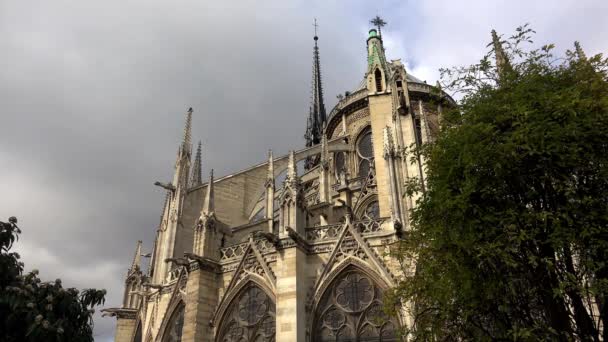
136	264
324	152
186	141
209	206
270	175
389	146
197	176
579	51
502	61
292	168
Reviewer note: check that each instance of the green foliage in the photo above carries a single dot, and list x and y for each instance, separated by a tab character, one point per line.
510	234
32	310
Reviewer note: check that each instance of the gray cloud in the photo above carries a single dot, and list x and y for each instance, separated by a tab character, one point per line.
93	96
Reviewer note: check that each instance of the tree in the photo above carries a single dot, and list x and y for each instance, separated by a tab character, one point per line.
32	310
509	238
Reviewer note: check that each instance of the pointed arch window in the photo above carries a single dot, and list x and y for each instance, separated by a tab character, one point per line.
351	310
372	211
378	77
365	152
137	337
173	331
339	164
250	317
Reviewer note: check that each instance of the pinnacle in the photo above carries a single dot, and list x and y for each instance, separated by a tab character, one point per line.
317	115
197	177
186	142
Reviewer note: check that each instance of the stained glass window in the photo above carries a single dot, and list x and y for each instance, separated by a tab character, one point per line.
339	162
365	151
259	215
173	332
351	310
372	211
250	317
363	168
365	146
137	337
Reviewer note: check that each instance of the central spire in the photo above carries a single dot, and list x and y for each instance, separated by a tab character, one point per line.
317	115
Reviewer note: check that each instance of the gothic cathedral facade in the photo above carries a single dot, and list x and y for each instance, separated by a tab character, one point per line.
274	253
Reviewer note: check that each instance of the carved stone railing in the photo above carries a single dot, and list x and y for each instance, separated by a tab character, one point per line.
321	233
352	98
173	275
238	250
330	232
233	251
425	88
369	225
264	246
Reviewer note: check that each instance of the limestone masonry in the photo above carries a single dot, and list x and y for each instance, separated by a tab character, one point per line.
267	254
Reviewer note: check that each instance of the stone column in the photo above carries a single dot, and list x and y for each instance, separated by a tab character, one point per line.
201	299
380	108
291	295
125	326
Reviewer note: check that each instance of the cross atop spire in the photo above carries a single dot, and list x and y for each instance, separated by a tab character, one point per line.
317	115
379	23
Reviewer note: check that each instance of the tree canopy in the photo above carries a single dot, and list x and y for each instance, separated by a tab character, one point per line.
509	238
32	310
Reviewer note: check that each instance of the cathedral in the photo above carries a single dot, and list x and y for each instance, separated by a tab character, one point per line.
275	252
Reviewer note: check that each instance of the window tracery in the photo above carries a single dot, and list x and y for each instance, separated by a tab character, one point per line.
173	331
339	163
351	310
365	152
372	211
250	317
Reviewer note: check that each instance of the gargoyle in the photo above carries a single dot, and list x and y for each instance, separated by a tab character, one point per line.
152	286
178	261
266	235
167	186
398	228
296	237
349	209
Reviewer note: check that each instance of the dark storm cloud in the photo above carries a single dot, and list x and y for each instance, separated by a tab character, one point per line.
93	96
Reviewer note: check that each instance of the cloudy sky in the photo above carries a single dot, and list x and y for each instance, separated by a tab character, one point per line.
93	96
